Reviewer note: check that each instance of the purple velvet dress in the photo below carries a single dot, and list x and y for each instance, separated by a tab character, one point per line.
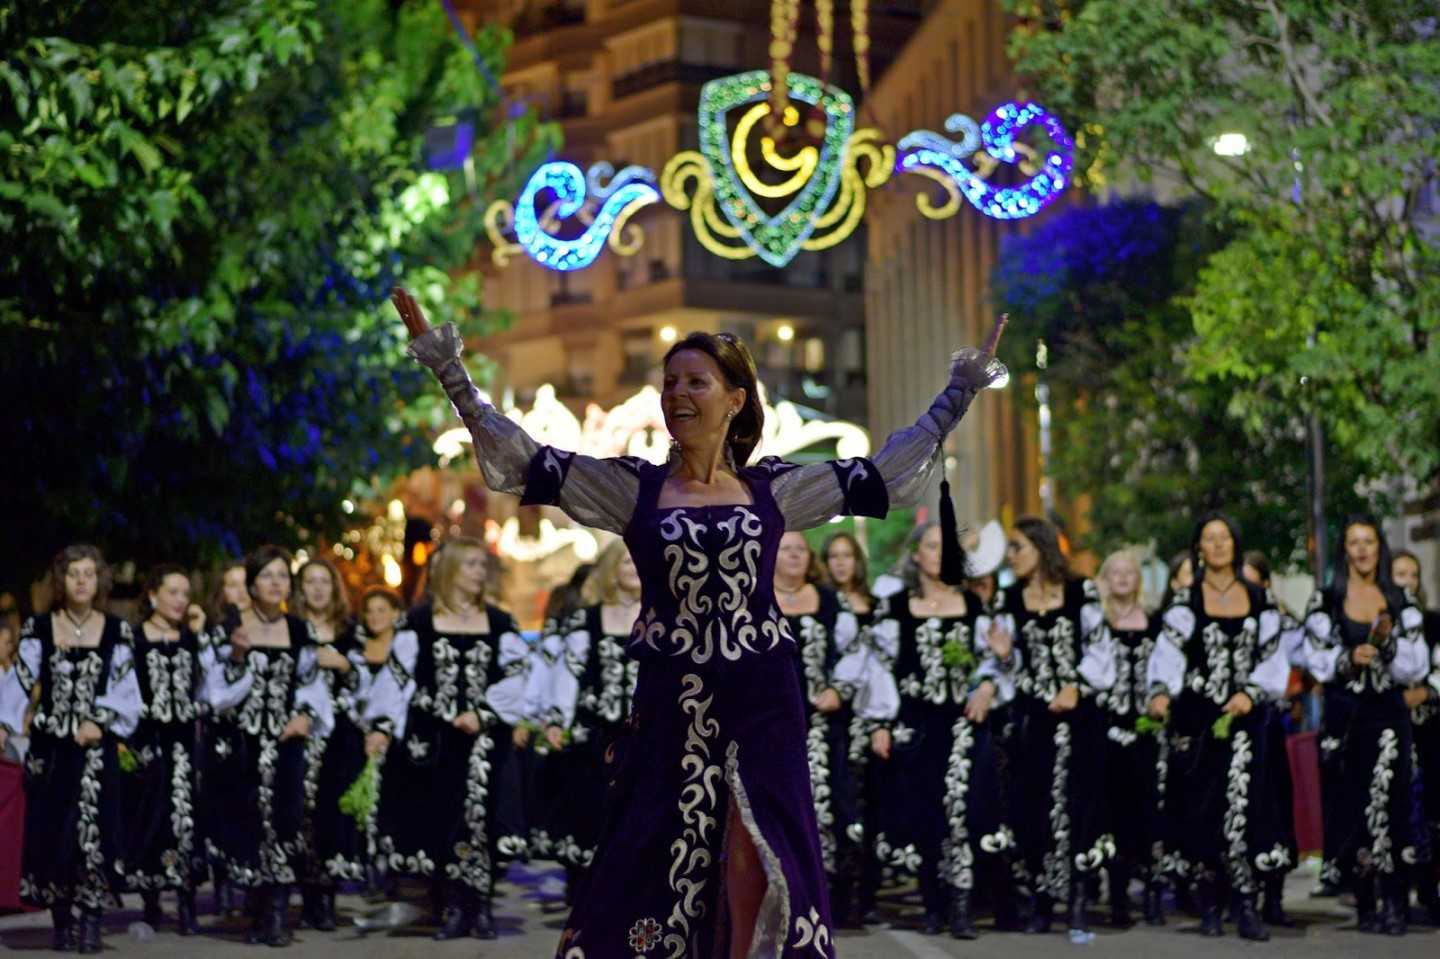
718	716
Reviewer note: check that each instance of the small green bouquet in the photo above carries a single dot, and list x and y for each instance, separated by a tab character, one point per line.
957	655
1221	726
128	760
1149	726
359	800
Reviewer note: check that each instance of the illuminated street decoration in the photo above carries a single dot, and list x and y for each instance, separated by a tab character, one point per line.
740	174
989	145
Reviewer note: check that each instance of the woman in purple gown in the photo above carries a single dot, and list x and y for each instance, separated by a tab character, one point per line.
710	848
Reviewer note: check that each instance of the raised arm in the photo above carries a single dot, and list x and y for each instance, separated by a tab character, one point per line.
599	493
900	473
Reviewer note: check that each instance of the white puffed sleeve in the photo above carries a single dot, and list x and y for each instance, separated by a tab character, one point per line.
536	703
359	678
312	694
876	698
506	698
1271	674
1412	654
566	655
118	708
847	630
17	681
1097	667
1323	647
227	683
387	707
1165	672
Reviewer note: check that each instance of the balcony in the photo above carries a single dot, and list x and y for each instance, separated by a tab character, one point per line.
665	71
533	21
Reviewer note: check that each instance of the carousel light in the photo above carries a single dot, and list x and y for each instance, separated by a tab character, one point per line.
668	334
394	576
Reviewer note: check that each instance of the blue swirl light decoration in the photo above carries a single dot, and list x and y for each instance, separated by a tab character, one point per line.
996	135
630	189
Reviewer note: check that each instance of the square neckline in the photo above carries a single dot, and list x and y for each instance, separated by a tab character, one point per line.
745	480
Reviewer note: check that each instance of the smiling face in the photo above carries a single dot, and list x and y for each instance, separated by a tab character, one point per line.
1405	571
1217	545
695	400
840	561
379	615
1362	549
272	585
172	599
82	582
793	559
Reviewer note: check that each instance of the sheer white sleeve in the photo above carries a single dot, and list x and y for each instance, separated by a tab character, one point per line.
227	683
599	493
118	708
810	495
1412	653
18	680
312	694
1165	673
877	699
388	706
1097	667
1272	674
506	698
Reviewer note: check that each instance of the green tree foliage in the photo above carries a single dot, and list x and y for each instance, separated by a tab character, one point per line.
1106	289
205	206
1328	288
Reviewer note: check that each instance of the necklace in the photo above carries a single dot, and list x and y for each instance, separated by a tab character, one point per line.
163	627
1226	589
79	626
790	592
266	620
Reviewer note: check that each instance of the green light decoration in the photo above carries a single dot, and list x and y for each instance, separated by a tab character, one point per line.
774	238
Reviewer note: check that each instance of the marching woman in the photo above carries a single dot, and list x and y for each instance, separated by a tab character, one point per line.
1366	643
267	697
161	848
83	661
940	799
828	661
711	847
1135	763
1066	660
1219	656
441	816
591	690
1423	700
848	572
336	843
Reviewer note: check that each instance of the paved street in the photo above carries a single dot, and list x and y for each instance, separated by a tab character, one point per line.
530	917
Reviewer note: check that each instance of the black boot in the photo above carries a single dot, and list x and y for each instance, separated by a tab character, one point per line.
1248	920
932	924
89	932
1207	899
1366	917
1080	904
325	911
483	925
309	906
962	924
1120	896
277	917
1273	911
62	924
455	922
1154	903
1040	916
1395	907
153	916
186	922
257	905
